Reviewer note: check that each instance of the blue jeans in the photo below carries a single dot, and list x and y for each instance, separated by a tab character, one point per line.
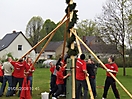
5	79
80	84
30	78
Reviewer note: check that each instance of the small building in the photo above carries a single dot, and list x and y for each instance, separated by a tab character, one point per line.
54	49
16	44
99	47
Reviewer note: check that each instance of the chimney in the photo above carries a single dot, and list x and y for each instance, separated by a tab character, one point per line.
84	39
14	31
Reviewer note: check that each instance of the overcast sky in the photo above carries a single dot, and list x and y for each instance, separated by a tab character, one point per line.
15	14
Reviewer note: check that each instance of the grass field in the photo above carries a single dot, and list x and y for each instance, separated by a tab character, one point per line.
42	79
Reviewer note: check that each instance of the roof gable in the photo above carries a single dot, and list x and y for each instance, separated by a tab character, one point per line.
52	46
93	39
9	38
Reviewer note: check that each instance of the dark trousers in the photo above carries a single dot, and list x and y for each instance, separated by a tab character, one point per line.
5	79
93	85
53	81
80	84
57	90
110	81
15	81
1	79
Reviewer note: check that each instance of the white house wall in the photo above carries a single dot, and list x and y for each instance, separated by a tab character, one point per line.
13	47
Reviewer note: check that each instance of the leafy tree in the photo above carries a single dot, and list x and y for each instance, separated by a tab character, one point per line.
87	28
113	24
48	26
33	29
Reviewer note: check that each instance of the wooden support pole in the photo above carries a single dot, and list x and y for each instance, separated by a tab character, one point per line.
45	37
42	50
64	44
87	79
48	42
101	64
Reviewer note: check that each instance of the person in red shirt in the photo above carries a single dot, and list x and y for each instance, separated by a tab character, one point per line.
53	75
1	73
113	68
18	75
59	82
29	71
81	73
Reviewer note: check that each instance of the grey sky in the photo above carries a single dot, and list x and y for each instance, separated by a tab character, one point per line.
15	14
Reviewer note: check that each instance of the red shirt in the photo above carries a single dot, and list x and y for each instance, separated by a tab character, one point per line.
19	68
29	66
1	71
60	77
80	66
111	66
52	69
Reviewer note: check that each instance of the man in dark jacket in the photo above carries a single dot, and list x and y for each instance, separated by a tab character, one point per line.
91	71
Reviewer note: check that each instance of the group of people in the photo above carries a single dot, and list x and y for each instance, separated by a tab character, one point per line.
83	69
58	78
14	72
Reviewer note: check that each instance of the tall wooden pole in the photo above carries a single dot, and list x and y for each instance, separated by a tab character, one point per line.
87	79
101	63
45	37
73	60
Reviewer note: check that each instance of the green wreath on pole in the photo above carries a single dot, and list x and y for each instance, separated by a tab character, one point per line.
71	7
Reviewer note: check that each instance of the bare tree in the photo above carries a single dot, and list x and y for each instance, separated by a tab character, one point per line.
113	24
87	28
33	30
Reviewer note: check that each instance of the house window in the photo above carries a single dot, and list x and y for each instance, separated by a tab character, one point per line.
19	47
49	56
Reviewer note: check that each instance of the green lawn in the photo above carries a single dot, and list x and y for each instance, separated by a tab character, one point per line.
42	79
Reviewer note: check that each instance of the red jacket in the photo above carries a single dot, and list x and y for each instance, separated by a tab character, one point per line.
60	77
1	71
52	69
80	66
29	66
111	66
19	68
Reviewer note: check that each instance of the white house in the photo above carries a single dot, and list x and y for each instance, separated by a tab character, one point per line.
16	44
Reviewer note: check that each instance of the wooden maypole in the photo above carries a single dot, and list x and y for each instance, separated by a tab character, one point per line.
73	60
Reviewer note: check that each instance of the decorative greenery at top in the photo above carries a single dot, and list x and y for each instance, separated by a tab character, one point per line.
67	1
70	8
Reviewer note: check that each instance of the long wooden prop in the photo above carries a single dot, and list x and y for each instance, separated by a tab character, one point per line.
101	63
61	22
65	37
87	79
47	43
